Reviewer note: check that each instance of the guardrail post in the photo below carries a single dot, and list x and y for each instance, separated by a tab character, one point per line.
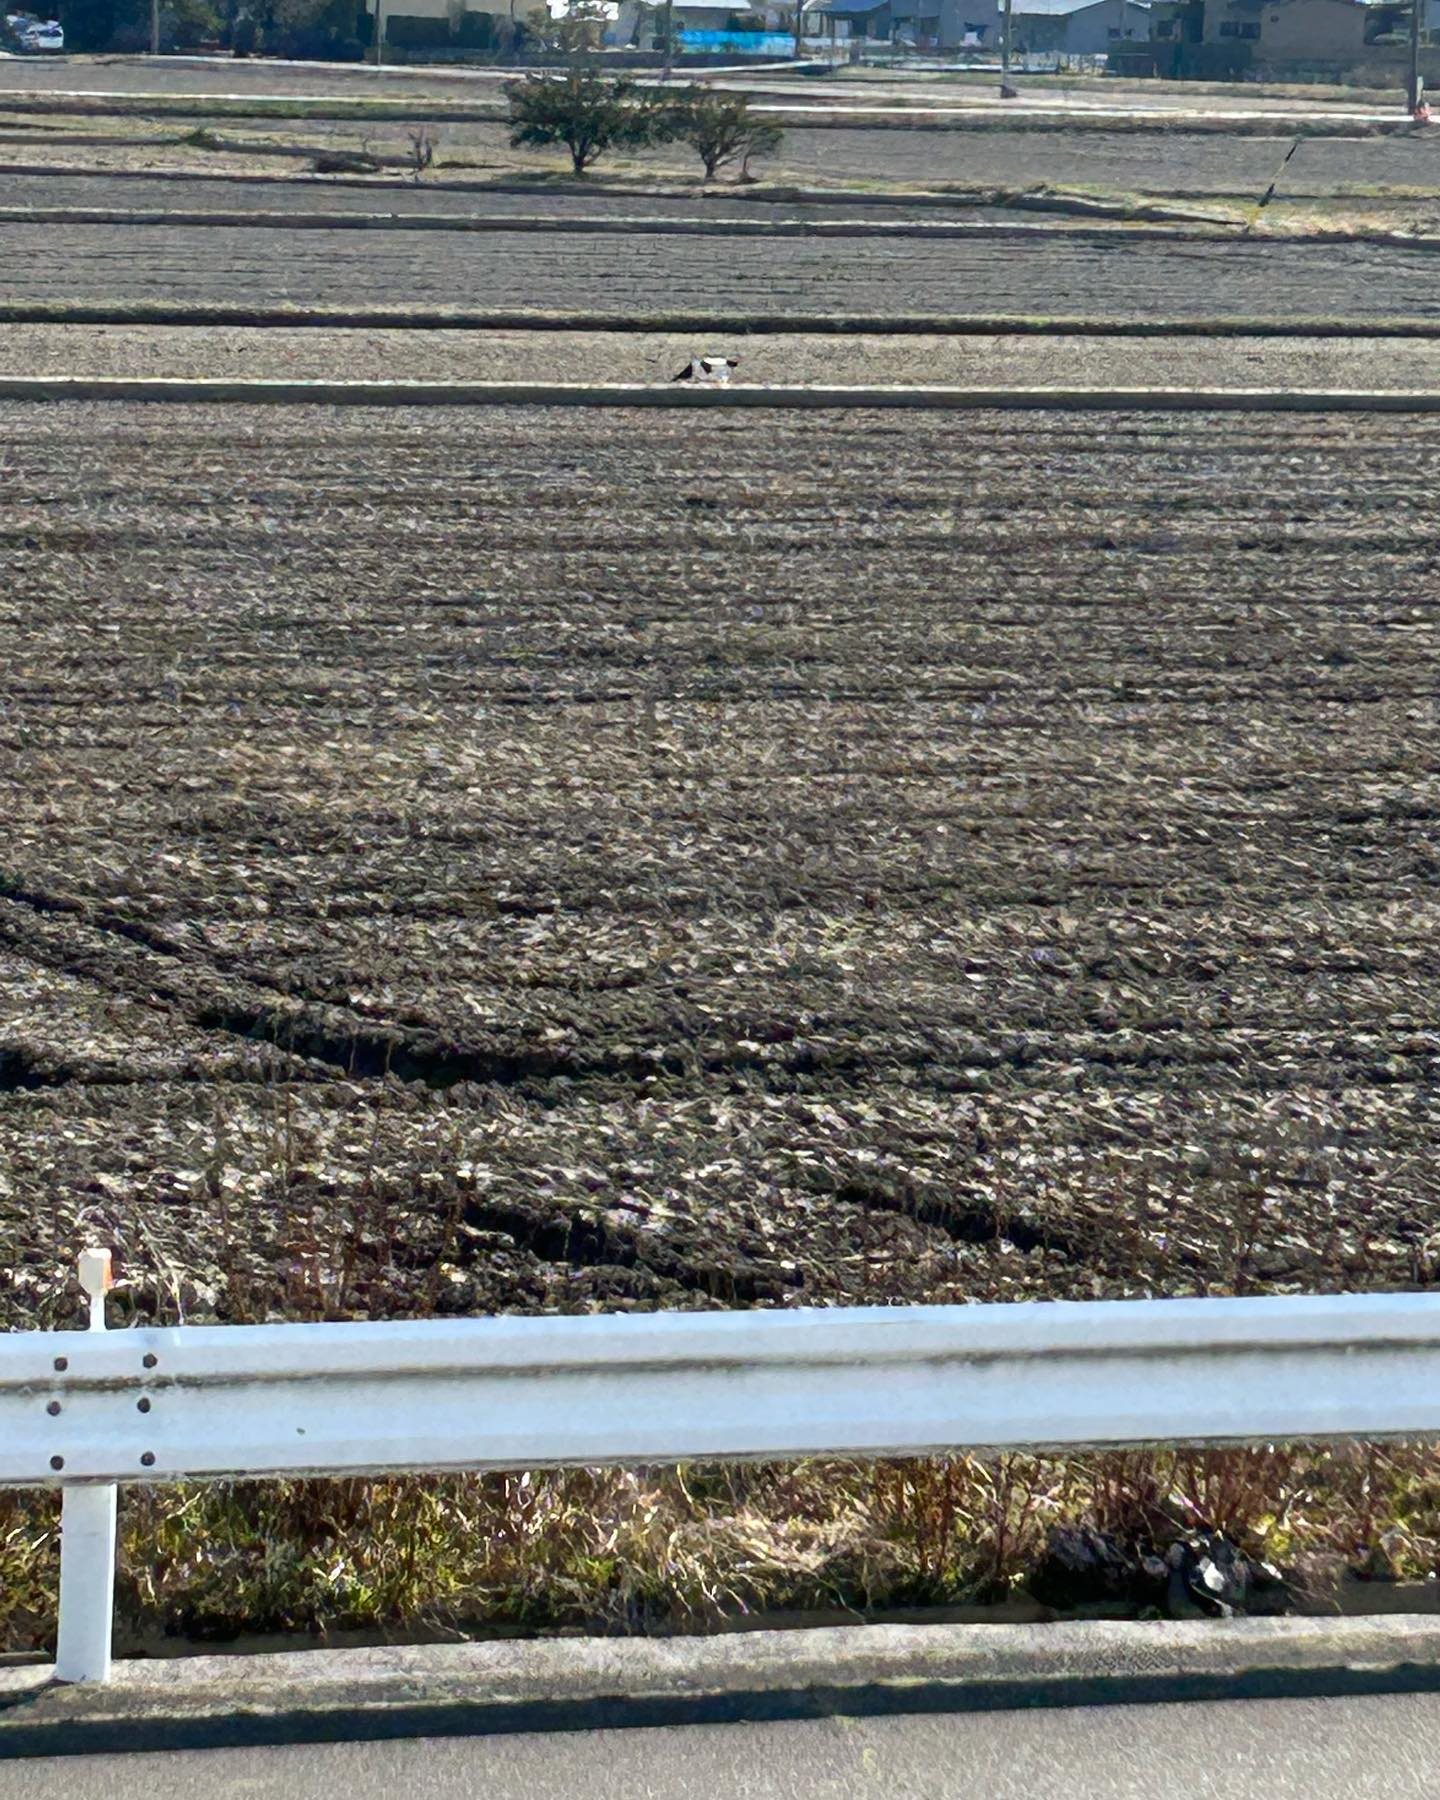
87	1539
87	1582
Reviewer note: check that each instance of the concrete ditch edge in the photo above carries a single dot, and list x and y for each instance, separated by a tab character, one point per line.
584	1683
43	388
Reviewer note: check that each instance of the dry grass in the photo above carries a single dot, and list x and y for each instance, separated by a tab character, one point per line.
692	1548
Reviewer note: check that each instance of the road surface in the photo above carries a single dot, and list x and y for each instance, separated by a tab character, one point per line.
1329	1749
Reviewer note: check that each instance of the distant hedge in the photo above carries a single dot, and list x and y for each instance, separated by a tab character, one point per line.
411	31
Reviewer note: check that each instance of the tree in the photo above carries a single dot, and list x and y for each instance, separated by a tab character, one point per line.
797	22
306	27
587	113
298	28
576	32
719	128
97	25
654	28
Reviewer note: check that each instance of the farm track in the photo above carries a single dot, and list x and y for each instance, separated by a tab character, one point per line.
1056	274
550	850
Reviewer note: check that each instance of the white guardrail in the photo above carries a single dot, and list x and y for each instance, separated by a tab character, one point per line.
87	1410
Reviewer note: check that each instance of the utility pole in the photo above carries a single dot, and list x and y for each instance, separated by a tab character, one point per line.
1005	49
668	28
379	46
1417	86
799	29
154	27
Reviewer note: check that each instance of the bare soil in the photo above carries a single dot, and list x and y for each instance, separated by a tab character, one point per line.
521	861
179	76
289	190
456	355
144	75
138	192
1049	274
1217	165
160	175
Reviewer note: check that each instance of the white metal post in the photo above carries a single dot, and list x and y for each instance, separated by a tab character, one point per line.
87	1539
87	1582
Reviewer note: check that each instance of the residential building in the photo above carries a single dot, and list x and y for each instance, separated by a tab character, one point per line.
859	18
1078	27
1334	38
637	21
1038	27
1318	30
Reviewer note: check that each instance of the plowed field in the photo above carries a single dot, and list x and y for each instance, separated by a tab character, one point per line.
641	273
492	860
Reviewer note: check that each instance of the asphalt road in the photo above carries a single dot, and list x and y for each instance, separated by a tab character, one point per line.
1330	1749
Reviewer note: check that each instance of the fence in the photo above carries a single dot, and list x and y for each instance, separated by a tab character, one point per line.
882	53
88	1410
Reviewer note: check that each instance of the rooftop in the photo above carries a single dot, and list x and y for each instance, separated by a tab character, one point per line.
1056	8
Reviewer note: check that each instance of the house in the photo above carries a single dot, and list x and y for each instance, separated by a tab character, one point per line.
1077	27
1038	27
1319	37
1066	27
640	22
696	15
421	25
1306	30
858	18
921	23
924	24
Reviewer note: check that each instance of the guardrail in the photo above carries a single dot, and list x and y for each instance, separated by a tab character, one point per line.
86	1411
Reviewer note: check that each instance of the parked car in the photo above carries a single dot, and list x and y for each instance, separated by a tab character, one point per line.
35	37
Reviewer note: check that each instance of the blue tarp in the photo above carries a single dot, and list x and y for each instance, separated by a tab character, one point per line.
758	43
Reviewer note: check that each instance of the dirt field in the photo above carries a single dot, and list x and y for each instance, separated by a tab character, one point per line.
640	273
870	88
121	75
140	192
1026	361
1205	164
183	75
471	861
668	193
1198	165
543	861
